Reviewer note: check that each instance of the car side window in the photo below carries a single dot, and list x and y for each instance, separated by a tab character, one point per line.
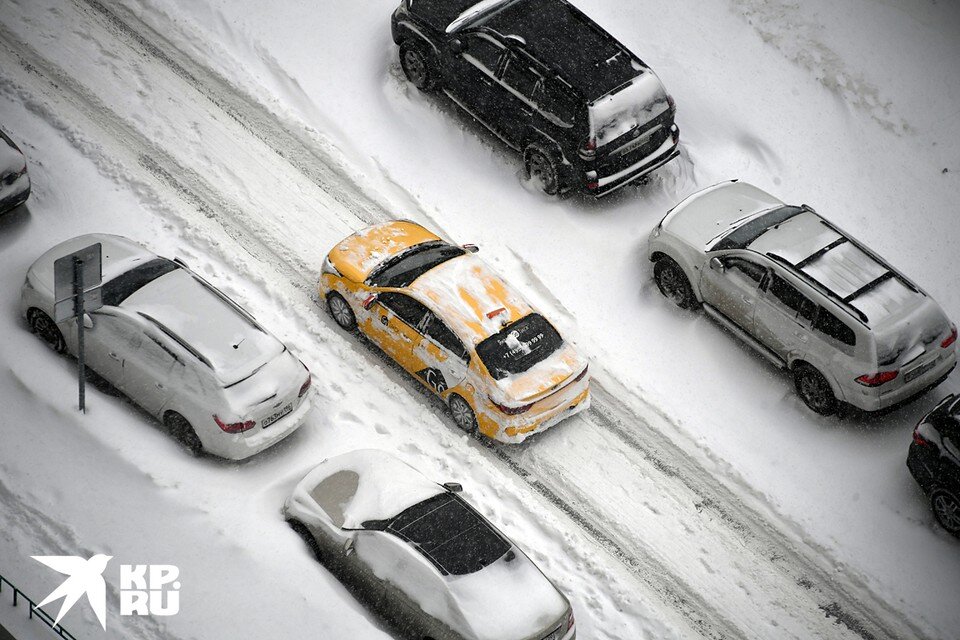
119	328
483	52
156	355
553	99
520	77
406	308
950	444
832	327
785	296
446	338
746	268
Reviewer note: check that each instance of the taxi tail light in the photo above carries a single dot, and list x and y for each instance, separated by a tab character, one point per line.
571	621
877	379
950	339
511	411
235	427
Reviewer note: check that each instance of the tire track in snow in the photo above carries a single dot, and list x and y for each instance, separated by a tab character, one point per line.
643	562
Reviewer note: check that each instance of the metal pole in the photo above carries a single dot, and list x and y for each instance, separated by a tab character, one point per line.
78	308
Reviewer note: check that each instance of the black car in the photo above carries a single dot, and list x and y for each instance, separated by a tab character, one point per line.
584	111
934	461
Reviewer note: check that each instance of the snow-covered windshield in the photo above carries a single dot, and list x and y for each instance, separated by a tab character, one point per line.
450	534
519	346
636	104
403	269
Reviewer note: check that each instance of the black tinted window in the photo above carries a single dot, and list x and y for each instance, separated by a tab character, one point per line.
126	284
786	294
829	325
406	308
403	269
557	100
486	52
450	534
742	236
752	271
520	77
519	346
442	334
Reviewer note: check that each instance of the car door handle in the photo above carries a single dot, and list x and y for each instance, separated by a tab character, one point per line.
159	385
746	299
114	356
801	336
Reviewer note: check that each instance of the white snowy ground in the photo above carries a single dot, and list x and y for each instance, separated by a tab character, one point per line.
850	106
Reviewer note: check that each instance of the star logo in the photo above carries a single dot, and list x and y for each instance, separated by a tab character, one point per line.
84	577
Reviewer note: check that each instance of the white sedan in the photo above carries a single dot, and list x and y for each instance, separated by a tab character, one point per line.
178	347
416	551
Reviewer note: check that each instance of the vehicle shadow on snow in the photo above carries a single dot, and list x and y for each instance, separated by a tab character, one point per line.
13	224
666	182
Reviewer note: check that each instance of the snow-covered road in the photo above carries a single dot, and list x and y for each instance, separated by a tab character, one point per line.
650	536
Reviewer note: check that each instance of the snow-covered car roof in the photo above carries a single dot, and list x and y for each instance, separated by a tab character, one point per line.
229	340
383	487
470	297
358	254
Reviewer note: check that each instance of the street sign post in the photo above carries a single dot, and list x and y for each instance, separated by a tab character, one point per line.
76	284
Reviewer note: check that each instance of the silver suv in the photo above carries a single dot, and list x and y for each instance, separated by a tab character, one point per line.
178	347
806	295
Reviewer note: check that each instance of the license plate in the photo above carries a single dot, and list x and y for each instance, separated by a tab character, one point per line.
279	414
919	371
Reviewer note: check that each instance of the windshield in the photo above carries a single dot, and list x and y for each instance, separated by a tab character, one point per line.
742	236
450	534
126	284
519	346
403	269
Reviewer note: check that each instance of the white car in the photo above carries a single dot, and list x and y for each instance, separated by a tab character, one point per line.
14	181
416	551
177	347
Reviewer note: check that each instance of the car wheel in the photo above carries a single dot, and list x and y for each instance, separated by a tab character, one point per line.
462	414
419	66
541	167
814	390
673	283
946	509
44	326
183	432
342	313
301	530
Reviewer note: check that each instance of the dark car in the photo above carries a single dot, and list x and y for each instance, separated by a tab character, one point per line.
14	181
585	112
934	461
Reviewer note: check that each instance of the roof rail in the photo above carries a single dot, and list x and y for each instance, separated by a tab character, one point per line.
816	284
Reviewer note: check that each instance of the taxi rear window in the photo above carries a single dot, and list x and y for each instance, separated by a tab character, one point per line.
519	346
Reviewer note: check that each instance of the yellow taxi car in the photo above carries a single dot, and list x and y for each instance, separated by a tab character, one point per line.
453	323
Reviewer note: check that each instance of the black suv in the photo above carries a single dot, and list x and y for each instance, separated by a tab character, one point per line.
584	111
934	461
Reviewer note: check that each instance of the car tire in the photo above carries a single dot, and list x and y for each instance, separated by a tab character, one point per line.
673	283
183	432
814	389
946	510
543	167
463	414
341	312
419	66
301	530
48	331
